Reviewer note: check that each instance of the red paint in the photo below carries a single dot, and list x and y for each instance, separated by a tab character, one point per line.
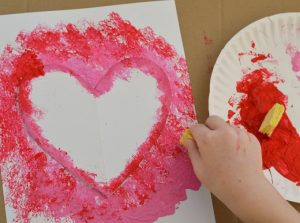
259	57
230	113
42	179
210	63
27	67
254	56
282	149
207	40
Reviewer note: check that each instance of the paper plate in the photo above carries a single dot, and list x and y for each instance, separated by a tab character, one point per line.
277	35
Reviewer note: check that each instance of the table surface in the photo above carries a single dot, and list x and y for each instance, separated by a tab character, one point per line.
205	25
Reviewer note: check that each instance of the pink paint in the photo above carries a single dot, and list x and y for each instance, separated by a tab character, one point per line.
294	53
42	179
295	60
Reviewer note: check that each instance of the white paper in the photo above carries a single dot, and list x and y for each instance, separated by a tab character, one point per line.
162	17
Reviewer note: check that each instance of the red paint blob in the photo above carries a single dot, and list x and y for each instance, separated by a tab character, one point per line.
230	114
282	149
259	57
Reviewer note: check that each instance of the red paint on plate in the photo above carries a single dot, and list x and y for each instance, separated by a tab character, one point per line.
282	149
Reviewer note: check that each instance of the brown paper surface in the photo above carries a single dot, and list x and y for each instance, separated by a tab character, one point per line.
206	26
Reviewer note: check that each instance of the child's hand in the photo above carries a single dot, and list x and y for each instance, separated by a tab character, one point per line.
224	156
227	160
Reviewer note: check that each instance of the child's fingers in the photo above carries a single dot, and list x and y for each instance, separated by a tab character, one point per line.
215	122
199	132
194	154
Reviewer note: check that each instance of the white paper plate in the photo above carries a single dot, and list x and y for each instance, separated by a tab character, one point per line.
270	35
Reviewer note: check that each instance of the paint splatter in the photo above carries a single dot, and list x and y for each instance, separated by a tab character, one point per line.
259	57
296	62
255	57
208	43
42	179
210	63
207	40
293	52
230	114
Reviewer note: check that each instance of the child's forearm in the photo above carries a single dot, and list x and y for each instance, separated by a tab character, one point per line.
257	201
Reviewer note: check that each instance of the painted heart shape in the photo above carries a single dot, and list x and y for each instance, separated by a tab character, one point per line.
98	89
42	179
94	130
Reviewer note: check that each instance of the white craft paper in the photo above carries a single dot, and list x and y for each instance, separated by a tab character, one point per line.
110	131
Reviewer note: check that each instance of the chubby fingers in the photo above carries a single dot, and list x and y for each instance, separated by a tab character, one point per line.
198	131
193	143
215	122
194	153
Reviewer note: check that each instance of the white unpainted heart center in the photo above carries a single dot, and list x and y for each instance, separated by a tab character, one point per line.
99	134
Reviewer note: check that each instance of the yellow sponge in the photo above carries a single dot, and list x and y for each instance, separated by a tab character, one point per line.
272	119
187	134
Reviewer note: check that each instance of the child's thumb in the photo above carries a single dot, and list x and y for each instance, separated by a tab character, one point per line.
194	154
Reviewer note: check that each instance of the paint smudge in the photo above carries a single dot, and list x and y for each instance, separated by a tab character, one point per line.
207	40
255	57
295	57
231	113
210	63
259	57
296	62
208	43
259	93
41	179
